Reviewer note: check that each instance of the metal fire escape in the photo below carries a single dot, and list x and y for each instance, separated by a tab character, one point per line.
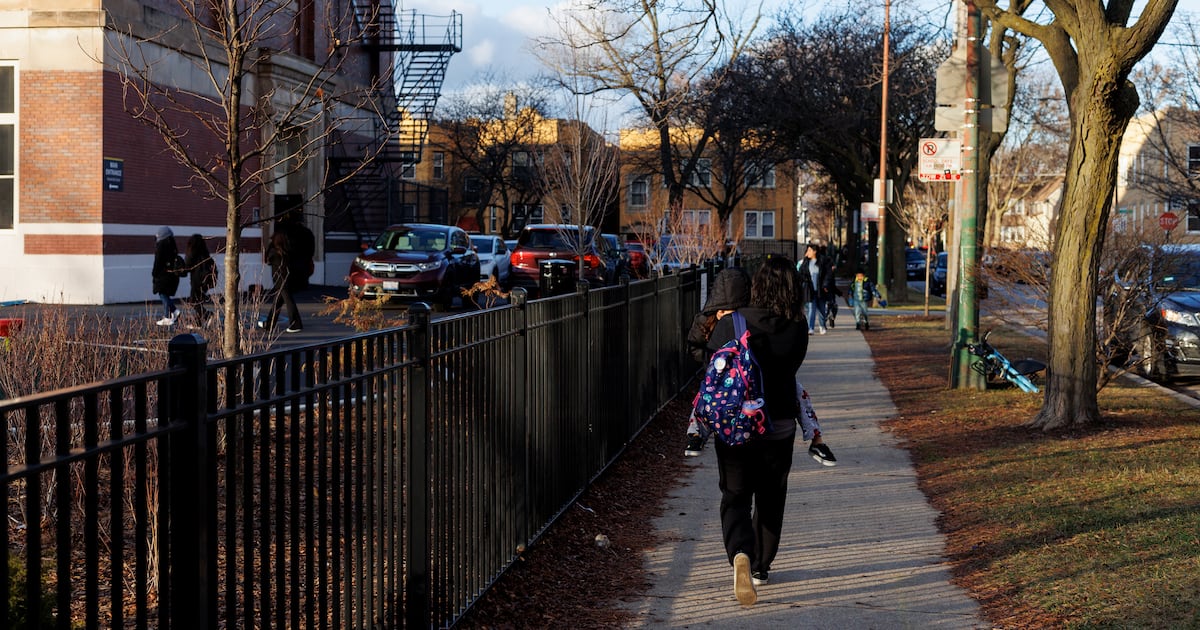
420	48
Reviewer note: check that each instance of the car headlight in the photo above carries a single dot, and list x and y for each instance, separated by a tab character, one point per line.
428	266
1180	317
360	262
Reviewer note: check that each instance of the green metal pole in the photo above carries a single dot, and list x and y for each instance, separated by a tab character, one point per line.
966	329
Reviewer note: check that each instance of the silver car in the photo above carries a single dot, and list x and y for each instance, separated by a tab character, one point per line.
494	259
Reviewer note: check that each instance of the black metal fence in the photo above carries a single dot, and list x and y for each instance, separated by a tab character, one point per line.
382	480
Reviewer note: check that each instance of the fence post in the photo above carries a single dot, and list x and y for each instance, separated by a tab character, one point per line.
189	503
417	555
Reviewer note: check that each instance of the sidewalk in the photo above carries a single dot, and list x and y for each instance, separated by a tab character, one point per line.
860	546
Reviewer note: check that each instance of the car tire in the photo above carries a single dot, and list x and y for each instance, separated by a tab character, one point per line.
1150	356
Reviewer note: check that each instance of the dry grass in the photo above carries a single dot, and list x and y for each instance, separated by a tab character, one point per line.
1097	528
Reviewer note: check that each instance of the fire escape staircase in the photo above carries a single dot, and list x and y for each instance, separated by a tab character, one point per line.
421	47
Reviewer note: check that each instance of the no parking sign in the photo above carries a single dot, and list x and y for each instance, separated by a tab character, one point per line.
940	160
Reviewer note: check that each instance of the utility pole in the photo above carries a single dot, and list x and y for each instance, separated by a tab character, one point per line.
881	279
966	325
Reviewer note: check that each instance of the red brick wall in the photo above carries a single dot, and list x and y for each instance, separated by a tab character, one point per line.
60	147
156	188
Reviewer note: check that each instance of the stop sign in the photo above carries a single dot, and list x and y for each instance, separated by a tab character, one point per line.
1168	220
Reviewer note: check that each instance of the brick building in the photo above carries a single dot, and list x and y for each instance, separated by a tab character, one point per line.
84	185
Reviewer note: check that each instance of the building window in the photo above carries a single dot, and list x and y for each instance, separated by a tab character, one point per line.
1193	160
639	191
8	146
472	189
760	224
1193	216
493	220
696	221
702	176
409	160
439	165
761	175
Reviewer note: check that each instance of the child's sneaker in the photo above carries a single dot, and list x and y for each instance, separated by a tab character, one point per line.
822	454
695	445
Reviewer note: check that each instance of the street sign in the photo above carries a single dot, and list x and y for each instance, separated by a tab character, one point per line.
940	160
869	211
1168	220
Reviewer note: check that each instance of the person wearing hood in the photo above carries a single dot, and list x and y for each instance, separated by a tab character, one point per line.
164	274
753	476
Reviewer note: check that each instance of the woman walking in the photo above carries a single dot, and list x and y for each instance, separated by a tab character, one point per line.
753	476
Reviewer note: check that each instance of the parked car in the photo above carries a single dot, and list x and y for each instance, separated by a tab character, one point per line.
548	241
678	251
616	247
639	263
493	258
937	277
914	260
416	261
1152	308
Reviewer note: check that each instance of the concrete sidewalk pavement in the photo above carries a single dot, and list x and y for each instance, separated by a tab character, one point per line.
860	545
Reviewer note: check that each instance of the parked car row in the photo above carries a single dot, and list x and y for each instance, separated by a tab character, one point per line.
422	261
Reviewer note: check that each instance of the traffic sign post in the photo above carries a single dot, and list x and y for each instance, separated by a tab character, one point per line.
940	160
1168	221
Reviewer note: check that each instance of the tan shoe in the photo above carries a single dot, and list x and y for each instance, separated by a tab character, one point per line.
743	586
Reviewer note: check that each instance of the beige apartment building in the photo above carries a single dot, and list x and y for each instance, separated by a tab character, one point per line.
1158	172
766	219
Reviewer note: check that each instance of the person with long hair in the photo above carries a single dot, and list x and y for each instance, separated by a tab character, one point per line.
202	271
753	476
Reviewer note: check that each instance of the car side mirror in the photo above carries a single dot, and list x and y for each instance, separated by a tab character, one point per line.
458	250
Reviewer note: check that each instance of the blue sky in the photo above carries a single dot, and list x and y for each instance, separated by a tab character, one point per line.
496	33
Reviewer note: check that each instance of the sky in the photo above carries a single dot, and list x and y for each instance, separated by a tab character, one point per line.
497	33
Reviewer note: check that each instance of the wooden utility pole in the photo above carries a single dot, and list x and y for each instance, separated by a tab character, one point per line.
881	279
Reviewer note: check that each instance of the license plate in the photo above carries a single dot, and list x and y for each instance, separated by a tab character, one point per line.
391	286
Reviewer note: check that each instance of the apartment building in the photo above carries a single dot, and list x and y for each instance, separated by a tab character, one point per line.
764	219
1158	172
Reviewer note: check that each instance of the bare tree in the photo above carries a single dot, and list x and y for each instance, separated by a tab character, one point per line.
923	213
1033	148
820	89
244	111
1094	47
655	52
581	167
491	135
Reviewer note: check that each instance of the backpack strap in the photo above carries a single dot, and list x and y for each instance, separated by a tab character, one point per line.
739	325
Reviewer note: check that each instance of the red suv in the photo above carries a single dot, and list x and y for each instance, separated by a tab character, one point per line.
545	241
416	261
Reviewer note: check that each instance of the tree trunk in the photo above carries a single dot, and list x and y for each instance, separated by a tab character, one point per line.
1096	131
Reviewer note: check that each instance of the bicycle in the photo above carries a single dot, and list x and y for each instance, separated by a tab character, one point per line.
995	365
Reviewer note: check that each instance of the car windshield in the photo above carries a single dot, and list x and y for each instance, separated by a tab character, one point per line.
565	239
941	260
915	255
412	240
483	245
1182	274
634	247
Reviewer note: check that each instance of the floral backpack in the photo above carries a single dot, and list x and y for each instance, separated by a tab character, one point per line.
730	400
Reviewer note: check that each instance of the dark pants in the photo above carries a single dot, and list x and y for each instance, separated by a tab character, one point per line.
283	295
753	490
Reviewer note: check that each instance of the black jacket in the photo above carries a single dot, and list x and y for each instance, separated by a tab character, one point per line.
730	291
165	272
779	345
